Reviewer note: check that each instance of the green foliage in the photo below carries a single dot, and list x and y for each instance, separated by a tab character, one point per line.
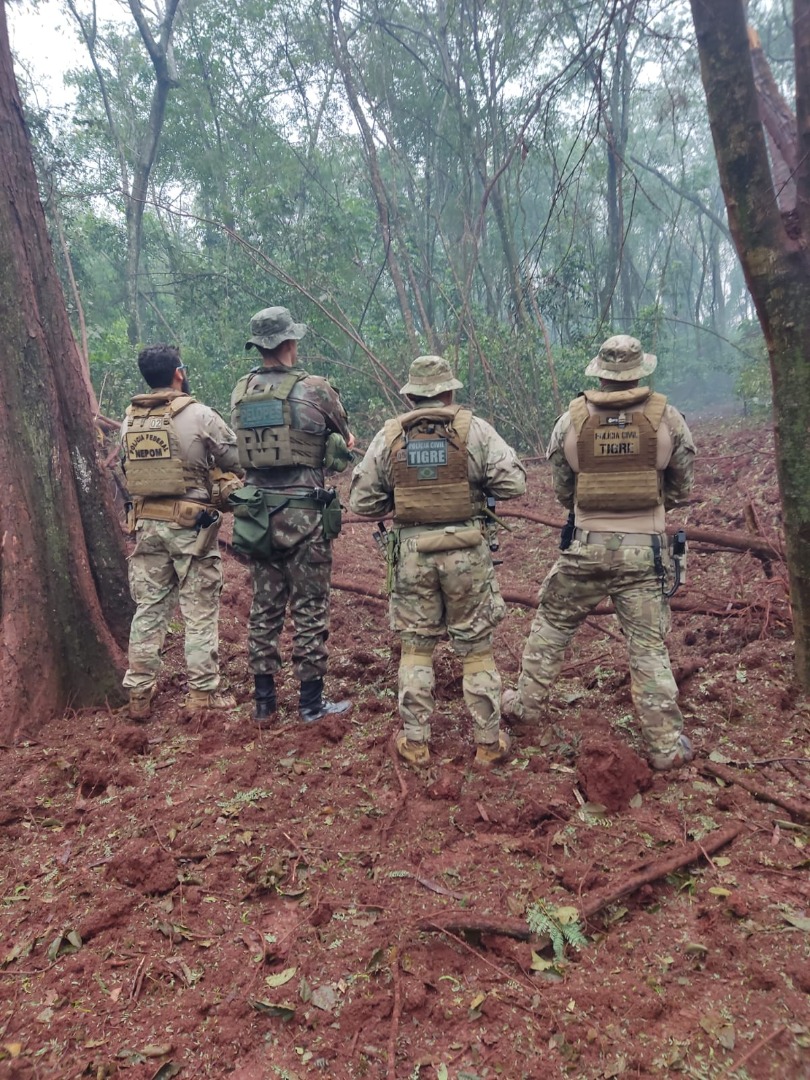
559	924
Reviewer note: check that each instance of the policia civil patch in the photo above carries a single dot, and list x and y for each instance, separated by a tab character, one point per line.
619	440
426	455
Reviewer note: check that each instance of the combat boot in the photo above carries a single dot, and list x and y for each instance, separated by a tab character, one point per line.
681	755
140	704
265	698
199	700
415	753
313	706
494	753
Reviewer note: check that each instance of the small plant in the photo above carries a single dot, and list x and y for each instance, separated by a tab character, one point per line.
560	924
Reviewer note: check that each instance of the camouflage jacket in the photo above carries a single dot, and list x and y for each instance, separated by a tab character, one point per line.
316	407
204	437
493	466
677	463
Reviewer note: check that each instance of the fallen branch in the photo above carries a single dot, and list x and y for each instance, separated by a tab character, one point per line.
798	810
716	538
643	874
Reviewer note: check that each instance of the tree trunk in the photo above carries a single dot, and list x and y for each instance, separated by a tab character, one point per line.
62	566
774	260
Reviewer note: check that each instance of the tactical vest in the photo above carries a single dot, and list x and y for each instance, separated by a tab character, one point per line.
154	465
617	448
429	454
267	437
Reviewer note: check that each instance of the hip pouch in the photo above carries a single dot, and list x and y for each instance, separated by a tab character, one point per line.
251	523
448	540
332	519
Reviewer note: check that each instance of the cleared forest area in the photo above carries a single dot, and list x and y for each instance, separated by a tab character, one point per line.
207	900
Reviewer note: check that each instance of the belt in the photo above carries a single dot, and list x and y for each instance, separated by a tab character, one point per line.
619	539
273	498
167	509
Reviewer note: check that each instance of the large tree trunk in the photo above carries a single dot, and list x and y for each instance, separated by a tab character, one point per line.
62	567
774	259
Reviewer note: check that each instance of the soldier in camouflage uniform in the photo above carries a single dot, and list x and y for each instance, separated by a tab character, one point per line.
290	426
434	467
170	443
620	458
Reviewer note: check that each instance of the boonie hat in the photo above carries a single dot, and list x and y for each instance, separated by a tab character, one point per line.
621	359
272	325
429	376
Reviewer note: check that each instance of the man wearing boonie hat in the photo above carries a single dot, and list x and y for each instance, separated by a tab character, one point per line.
620	458
291	427
434	466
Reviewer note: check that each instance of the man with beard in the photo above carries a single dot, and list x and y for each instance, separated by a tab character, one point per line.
177	455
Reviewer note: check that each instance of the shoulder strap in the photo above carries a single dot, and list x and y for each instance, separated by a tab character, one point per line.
392	430
654	409
578	409
462	422
177	404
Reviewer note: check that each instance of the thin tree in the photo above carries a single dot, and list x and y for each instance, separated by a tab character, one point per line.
64	602
772	248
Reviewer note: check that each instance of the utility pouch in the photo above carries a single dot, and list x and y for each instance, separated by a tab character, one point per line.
332	515
450	539
251	523
186	514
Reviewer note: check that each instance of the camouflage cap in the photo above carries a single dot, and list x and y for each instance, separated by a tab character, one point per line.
272	325
621	359
430	376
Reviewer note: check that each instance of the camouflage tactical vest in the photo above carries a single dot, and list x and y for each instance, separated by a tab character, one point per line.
265	430
154	465
429	455
617	449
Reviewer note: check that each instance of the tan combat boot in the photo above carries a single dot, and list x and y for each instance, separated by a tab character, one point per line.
415	753
494	753
140	704
199	700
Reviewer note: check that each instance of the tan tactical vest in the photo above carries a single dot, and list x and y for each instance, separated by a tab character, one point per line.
617	448
429	455
154	465
265	430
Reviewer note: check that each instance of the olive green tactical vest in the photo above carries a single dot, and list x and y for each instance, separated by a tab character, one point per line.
429	455
617	448
265	430
154	465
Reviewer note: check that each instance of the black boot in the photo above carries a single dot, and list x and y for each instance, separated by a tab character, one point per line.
265	697
312	706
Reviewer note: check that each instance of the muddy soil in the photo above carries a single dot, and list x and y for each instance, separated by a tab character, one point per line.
204	899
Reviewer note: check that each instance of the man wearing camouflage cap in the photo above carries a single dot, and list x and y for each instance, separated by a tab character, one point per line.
434	467
620	458
291	427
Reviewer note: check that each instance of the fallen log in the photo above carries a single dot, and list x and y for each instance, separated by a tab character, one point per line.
716	538
644	873
801	811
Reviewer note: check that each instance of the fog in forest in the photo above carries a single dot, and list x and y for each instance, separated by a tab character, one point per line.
505	183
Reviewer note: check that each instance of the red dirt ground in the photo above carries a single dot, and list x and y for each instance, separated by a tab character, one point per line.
206	900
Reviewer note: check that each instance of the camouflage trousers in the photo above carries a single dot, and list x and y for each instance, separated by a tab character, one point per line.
453	593
301	576
583	576
163	572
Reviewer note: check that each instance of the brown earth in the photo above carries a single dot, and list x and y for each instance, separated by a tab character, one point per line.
204	899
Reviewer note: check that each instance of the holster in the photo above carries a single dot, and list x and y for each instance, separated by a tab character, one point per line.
207	537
